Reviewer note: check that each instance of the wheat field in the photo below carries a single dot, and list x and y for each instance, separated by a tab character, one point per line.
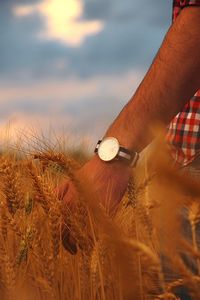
143	252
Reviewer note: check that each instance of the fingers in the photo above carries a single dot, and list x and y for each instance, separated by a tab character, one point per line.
67	194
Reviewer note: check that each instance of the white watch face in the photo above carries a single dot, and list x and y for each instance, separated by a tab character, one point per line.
108	148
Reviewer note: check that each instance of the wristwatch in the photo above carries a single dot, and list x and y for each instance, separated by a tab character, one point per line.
109	149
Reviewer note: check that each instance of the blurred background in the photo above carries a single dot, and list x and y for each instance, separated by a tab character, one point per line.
69	66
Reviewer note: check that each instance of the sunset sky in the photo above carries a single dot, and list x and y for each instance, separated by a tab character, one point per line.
72	64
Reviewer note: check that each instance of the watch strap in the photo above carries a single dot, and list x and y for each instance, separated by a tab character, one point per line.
97	146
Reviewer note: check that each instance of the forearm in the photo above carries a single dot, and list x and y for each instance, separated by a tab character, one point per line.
171	81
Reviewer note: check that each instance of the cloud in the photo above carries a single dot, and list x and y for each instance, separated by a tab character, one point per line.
81	88
129	40
82	107
56	90
62	20
23	10
144	11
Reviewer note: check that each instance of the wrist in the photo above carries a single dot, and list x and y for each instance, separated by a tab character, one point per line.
127	140
112	168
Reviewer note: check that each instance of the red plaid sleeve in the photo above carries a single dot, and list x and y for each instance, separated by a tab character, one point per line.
183	133
178	5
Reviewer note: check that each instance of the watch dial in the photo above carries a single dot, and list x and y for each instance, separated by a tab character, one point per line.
108	149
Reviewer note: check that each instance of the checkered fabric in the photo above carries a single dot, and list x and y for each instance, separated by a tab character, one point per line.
183	133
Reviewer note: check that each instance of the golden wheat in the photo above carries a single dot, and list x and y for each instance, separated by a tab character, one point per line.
140	253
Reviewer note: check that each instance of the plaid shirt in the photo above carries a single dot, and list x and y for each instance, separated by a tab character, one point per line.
183	133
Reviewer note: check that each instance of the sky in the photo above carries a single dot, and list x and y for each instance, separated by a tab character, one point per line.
71	65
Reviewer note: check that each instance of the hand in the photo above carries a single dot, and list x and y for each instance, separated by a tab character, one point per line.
109	182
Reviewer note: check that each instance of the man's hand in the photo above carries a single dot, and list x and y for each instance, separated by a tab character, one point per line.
171	81
107	180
